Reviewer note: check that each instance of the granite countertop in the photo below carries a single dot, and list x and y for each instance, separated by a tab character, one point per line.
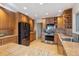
71	48
13	49
32	32
7	36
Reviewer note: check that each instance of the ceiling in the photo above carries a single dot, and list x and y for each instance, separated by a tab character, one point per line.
40	10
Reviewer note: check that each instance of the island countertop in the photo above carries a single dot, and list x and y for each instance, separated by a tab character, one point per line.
71	48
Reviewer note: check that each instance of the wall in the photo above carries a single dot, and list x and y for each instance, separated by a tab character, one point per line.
44	23
37	27
75	11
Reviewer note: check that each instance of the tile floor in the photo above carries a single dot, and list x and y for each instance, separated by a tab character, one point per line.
51	49
36	48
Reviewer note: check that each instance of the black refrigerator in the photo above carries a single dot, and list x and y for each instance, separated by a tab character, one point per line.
24	33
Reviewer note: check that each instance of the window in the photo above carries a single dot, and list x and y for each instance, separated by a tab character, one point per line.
77	22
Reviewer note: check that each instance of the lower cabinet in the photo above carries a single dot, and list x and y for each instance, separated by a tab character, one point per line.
60	47
61	50
0	42
32	36
6	40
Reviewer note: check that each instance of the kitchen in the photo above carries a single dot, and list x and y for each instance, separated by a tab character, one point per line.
65	36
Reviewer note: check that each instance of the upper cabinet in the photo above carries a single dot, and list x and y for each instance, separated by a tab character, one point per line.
64	22
31	22
7	21
50	20
67	17
60	22
22	18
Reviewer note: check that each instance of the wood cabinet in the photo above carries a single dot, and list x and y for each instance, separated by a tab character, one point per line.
61	48
67	16
22	17
59	45
60	22
31	25
32	32
10	39
32	36
0	42
7	21
49	20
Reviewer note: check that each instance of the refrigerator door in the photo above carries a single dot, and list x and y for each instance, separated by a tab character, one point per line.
23	33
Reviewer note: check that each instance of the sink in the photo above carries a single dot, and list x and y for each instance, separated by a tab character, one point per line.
70	40
75	40
2	34
66	39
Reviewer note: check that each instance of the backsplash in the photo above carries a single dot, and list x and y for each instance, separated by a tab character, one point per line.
76	37
65	31
6	31
69	33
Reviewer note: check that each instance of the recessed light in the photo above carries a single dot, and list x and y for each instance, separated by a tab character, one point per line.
25	8
46	13
59	10
41	3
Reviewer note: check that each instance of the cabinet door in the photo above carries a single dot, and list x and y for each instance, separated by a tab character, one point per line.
32	36
61	49
3	19
31	24
10	40
11	21
0	42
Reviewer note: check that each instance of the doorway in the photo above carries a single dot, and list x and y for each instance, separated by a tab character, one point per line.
39	30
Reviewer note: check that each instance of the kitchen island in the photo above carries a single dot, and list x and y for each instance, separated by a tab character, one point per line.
8	39
67	47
